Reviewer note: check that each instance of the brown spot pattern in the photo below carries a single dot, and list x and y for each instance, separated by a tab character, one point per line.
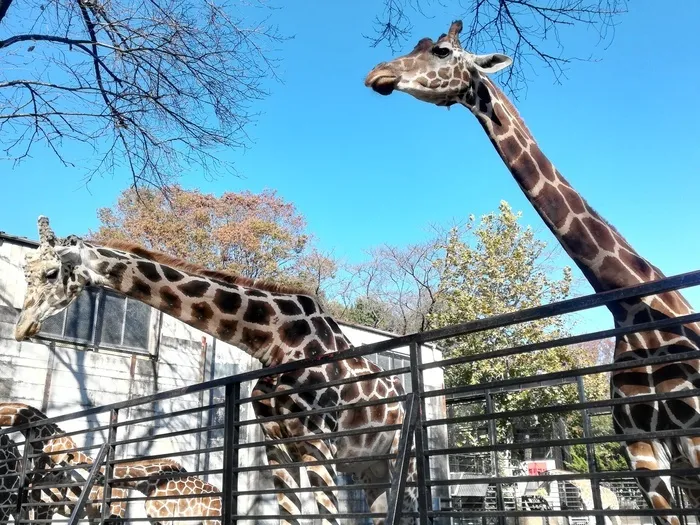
293	333
255	338
227	302
226	329
258	312
202	312
140	289
170	301
579	240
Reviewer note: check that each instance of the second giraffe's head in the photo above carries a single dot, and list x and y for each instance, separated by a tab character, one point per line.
438	72
55	277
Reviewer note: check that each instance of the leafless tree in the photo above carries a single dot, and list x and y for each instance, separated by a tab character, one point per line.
149	86
532	32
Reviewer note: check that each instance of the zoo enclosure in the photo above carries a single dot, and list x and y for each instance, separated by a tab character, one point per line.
490	486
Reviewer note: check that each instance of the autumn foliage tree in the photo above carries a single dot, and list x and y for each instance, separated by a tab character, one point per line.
256	235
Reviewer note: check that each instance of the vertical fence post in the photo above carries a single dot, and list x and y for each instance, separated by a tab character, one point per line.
493	441
421	436
232	435
22	491
590	451
109	467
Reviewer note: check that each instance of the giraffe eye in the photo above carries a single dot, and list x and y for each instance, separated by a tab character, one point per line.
52	273
441	52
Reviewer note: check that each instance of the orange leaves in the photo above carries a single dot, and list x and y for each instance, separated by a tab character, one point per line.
256	235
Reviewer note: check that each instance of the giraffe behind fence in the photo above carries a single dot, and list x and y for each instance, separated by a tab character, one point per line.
275	325
444	74
51	451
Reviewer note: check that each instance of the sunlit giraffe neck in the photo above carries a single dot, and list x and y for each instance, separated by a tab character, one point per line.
444	74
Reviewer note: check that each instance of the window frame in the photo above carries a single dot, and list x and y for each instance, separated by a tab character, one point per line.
154	324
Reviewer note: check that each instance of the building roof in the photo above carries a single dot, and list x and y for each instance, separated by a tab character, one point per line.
19	240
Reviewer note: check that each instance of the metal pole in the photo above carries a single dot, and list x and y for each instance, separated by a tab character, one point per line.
109	467
422	462
590	452
232	435
85	494
398	480
22	482
493	440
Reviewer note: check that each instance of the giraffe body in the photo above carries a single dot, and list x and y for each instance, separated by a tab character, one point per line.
53	449
193	503
443	73
275	325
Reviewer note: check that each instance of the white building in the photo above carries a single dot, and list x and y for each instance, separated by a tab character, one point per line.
107	348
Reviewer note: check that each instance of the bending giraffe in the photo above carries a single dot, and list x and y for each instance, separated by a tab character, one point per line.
275	325
161	490
443	73
51	449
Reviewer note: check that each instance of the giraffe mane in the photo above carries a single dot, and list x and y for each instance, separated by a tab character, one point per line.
191	268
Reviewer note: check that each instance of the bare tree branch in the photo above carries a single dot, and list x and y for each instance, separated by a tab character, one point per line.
151	87
532	32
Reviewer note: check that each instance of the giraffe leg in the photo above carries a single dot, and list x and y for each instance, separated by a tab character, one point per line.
652	455
322	476
285	478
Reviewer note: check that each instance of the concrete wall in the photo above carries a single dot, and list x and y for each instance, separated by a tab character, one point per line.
59	378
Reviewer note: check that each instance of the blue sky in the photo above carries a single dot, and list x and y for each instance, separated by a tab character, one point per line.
367	170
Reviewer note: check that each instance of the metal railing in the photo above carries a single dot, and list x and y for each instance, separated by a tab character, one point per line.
122	432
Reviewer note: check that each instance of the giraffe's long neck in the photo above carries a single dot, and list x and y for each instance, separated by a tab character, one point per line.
272	327
606	259
602	254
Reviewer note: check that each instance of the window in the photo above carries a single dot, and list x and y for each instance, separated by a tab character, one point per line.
102	318
391	361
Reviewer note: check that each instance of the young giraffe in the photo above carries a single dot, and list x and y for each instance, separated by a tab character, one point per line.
159	485
273	324
444	74
51	448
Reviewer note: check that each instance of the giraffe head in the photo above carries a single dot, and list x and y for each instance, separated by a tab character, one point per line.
440	72
55	277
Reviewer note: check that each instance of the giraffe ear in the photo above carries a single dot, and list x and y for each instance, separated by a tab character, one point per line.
492	62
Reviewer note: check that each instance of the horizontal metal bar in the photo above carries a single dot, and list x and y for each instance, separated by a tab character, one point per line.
169	455
590	370
259	492
170	415
570	407
321	386
167	475
337	408
631	475
545	443
566	341
563	513
296	464
174	433
324	435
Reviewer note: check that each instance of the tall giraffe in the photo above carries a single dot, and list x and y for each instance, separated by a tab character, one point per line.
275	325
443	73
51	448
193	501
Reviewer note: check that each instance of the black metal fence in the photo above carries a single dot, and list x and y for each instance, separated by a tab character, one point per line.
533	449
